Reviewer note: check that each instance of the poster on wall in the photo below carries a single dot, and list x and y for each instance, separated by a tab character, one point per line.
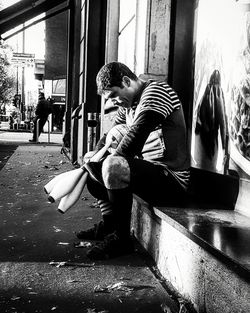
221	114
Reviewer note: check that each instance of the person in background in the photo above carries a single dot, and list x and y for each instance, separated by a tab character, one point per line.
42	112
152	160
2	108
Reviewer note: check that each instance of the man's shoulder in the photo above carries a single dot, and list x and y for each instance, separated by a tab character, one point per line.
160	97
43	101
156	88
152	84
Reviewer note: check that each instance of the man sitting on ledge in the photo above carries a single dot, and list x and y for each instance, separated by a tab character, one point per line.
151	160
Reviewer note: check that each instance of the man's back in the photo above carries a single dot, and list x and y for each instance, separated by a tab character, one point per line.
42	109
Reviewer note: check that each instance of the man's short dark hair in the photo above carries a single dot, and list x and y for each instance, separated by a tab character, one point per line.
111	75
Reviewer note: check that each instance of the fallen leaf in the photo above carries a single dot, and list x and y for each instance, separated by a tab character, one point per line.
165	308
33	293
71	281
57	230
98	288
120	286
65	263
83	244
14	298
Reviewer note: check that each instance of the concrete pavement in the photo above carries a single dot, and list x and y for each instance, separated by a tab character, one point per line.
23	137
33	234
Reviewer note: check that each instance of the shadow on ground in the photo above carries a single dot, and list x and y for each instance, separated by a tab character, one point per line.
33	234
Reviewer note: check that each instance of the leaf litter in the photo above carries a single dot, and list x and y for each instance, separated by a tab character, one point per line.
121	286
65	263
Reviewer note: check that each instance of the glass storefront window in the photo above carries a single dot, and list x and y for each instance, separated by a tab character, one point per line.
221	115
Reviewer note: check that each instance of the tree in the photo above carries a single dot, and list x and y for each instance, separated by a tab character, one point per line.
7	79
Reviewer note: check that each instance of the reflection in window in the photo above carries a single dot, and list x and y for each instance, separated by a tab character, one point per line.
221	116
58	86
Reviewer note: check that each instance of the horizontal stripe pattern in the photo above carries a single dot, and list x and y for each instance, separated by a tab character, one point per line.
105	206
154	146
120	117
159	97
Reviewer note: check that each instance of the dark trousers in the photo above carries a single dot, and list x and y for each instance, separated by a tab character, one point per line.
42	121
148	180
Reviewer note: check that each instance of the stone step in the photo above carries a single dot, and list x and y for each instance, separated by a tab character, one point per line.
203	253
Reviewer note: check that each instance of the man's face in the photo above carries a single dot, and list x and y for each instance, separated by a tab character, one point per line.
121	96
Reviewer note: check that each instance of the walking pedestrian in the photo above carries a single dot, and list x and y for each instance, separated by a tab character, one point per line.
42	112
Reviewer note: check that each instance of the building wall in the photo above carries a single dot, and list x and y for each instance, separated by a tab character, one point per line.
91	43
144	36
157	39
142	41
56	47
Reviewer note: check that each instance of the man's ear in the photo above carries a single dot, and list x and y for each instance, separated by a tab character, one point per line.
126	81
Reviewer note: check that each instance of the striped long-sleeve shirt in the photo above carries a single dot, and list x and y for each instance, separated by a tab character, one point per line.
157	130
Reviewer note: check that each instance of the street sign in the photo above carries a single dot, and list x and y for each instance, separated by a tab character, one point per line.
23	55
23	59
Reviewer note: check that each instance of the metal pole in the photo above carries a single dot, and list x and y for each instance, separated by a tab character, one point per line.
37	129
22	103
17	80
48	131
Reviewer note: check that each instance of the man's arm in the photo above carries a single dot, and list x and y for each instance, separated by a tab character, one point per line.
132	143
120	118
38	108
100	143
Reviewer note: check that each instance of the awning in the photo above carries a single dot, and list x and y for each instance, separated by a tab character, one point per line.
24	10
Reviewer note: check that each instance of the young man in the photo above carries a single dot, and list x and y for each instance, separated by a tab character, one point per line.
151	161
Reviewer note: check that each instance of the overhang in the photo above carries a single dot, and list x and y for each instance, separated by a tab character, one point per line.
24	10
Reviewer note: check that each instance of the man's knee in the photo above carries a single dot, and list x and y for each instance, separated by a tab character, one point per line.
116	172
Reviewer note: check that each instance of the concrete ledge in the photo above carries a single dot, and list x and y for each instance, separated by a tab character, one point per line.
197	252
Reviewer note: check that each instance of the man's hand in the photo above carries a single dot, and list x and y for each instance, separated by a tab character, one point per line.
87	156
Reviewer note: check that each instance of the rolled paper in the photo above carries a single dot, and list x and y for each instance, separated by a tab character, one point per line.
71	198
51	184
65	185
68	186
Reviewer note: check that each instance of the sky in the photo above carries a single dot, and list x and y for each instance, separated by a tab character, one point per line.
7	3
34	37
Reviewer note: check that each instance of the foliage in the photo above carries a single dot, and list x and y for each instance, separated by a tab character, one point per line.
7	79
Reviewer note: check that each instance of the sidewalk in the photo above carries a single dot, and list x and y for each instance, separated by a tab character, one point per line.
33	234
23	137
